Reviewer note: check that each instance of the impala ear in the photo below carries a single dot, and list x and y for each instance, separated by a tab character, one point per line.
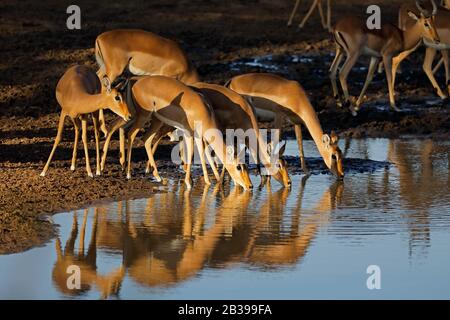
107	84
334	137
412	15
326	140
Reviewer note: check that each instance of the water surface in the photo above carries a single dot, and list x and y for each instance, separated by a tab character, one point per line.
314	241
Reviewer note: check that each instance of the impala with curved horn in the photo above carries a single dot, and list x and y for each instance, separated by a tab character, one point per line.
390	44
442	23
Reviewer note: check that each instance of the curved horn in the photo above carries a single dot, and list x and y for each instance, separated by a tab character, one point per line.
435	7
421	9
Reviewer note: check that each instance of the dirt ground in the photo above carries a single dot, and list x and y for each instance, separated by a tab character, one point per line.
36	48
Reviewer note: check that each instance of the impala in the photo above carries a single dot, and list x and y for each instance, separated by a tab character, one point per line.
277	99
80	93
442	23
316	3
232	112
179	106
122	52
390	44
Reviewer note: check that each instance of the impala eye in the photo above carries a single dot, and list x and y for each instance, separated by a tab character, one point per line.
239	168
334	157
117	98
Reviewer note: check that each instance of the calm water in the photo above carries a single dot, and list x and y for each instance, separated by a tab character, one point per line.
314	241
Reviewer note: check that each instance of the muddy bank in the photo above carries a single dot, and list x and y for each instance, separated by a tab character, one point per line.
223	38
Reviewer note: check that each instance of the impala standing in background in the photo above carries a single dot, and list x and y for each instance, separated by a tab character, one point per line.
442	23
390	44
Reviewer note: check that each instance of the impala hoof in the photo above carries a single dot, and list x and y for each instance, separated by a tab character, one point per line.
90	175
128	176
72	168
98	173
42	174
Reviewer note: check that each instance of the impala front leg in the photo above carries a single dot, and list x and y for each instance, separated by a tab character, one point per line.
85	144
447	69
76	125
95	120
201	151
427	67
118	123
387	61
299	136
189	143
370	74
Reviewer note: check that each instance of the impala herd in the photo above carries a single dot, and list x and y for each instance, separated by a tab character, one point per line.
144	78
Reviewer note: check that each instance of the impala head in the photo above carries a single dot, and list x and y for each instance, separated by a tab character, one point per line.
117	104
333	155
239	172
280	172
427	21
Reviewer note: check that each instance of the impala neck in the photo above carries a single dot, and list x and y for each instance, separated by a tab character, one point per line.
311	121
89	103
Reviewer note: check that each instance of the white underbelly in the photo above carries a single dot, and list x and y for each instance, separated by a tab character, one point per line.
264	115
440	46
169	122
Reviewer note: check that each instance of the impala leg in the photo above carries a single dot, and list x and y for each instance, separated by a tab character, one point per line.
329	15
201	151
101	120
122	148
76	125
212	164
148	138
294	11
310	11
387	61
132	133
152	132
62	117
85	144
333	73
447	69
369	78
322	17
427	67
189	144
396	64
299	136
95	120
352	57
438	65
119	122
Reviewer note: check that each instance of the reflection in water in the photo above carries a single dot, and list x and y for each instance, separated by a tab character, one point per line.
269	243
173	240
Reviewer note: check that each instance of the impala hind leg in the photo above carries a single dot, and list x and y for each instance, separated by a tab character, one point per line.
294	11
322	16
189	144
427	67
77	125
369	78
201	150
299	136
118	123
95	120
387	61
62	117
122	148
211	162
308	15
333	74
352	57
85	145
